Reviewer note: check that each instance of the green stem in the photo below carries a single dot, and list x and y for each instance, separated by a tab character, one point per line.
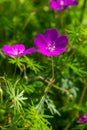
62	22
41	103
1	77
15	70
52	69
67	127
83	94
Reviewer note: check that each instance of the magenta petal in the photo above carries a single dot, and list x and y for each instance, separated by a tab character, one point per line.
45	52
75	3
8	50
62	41
19	47
60	5
58	51
51	34
54	53
14	50
52	44
53	5
40	41
85	116
85	119
80	120
29	51
72	2
17	50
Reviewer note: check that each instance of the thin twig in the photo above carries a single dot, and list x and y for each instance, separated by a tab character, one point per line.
55	86
67	127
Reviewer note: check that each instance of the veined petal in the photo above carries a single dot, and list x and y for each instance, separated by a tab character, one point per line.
75	2
40	41
51	34
51	43
80	120
30	50
58	51
53	5
72	2
44	52
60	5
62	41
85	116
19	47
8	50
17	50
51	53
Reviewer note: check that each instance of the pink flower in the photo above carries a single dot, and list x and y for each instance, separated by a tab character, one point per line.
82	119
51	43
17	50
59	5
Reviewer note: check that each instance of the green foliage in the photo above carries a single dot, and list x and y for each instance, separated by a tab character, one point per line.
36	67
51	106
27	80
21	62
38	120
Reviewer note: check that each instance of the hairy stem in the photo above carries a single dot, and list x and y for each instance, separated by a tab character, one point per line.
52	69
15	70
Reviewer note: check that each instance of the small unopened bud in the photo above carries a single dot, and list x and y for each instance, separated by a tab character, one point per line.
1	91
1	94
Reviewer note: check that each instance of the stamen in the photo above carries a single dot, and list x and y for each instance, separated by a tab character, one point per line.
51	46
62	3
15	51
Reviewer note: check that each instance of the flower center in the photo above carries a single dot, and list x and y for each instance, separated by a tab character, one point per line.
17	51
51	46
62	3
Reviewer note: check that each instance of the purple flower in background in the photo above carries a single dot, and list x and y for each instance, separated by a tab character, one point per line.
85	116
17	50
51	43
59	5
82	119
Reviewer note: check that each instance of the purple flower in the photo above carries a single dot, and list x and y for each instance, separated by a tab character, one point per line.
85	116
59	5
17	50
51	43
83	119
80	120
